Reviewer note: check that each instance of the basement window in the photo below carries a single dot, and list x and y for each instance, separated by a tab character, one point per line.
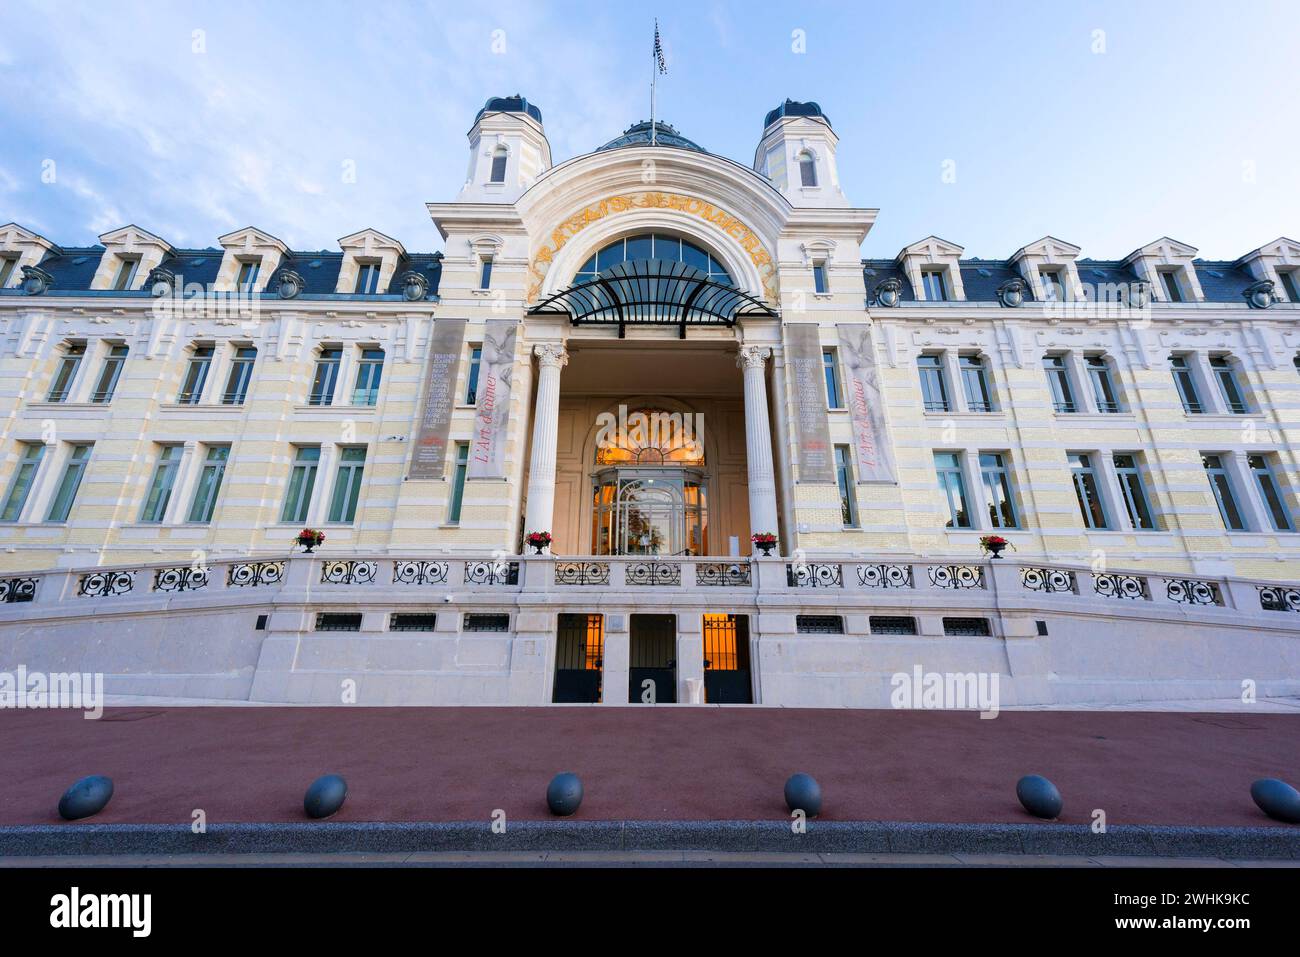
338	621
893	625
819	624
977	627
411	622
486	623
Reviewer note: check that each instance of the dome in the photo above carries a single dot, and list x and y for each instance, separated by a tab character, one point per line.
639	135
791	108
509	104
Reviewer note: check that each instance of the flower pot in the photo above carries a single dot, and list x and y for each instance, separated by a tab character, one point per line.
537	549
766	548
995	551
307	546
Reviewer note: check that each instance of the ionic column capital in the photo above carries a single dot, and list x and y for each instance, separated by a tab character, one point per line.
753	357
551	355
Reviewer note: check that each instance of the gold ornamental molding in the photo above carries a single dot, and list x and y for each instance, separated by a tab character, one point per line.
628	202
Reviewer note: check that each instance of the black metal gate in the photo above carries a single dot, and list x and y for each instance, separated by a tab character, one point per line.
726	660
653	658
579	659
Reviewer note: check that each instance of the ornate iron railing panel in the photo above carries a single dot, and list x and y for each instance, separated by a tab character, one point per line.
1114	585
181	578
17	589
885	576
582	573
815	575
492	573
957	576
419	573
345	572
104	584
724	574
1049	580
252	574
1279	597
653	573
1190	591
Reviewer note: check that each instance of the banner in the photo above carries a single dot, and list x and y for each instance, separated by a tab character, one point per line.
496	372
446	342
875	462
803	355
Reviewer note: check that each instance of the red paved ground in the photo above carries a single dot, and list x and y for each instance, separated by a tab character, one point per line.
442	764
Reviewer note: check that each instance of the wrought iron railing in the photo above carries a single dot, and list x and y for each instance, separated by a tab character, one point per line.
348	572
495	572
653	573
180	578
957	577
815	575
1115	585
582	573
885	576
253	574
724	574
1279	597
106	583
1050	580
1190	591
418	572
17	589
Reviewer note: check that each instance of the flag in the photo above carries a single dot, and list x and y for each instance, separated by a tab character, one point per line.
659	51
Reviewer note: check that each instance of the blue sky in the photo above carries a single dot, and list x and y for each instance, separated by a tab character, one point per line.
1186	125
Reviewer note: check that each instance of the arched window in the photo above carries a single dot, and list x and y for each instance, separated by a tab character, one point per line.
655	246
498	165
807	169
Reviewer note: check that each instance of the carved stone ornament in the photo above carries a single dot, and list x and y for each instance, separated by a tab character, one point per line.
1012	293
414	286
290	284
1260	295
889	292
160	281
36	280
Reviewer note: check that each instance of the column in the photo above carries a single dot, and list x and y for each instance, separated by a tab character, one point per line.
551	358
758	442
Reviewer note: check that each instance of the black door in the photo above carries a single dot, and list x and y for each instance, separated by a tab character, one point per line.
579	659
653	658
726	660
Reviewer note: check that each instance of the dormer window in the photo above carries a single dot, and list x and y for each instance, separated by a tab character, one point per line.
1053	284
807	169
499	156
1289	278
367	279
1172	287
7	266
936	288
126	269
485	272
820	284
248	269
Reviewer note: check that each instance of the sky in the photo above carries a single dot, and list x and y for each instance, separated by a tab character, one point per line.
989	124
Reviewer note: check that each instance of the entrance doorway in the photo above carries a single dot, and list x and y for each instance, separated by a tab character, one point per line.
579	659
726	660
652	665
649	511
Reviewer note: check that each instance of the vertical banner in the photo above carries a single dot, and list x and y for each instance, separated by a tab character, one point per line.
446	342
487	450
803	354
875	462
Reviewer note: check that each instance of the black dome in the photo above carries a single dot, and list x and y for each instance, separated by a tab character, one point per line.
509	104
792	108
638	134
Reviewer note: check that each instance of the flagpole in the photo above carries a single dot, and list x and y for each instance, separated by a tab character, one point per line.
654	77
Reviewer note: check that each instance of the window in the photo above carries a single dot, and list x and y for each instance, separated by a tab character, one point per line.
412	621
657	246
807	169
1087	492
892	624
108	377
936	290
1103	387
7	266
126	267
1186	385
241	371
21	484
347	485
934	387
1221	484
66	372
73	471
367	279
1058	380
485	273
970	627
471	387
1290	285
997	490
160	489
1134	491
1226	376
1053	284
953	485
830	369
209	484
1278	513
301	482
975	382
196	376
369	372
819	624
458	482
248	270
338	621
1173	290
844	478
327	374
499	157
819	278
486	623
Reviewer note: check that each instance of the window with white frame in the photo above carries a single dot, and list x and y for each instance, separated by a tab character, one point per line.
196	376
807	169
844	479
485	273
471	379
241	374
1290	280
1058	381
820	284
831	375
1261	467
367	278
161	485
347	484
302	480
975	383
65	375
499	157
1053	283
460	469
1132	486
208	487
935	284
109	375
126	270
1185	383
248	270
996	479
952	483
369	371
20	486
1172	285
934	382
1225	375
74	469
8	266
1087	489
1216	470
1104	392
326	378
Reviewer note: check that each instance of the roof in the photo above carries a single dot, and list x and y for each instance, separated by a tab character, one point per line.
509	104
638	134
794	108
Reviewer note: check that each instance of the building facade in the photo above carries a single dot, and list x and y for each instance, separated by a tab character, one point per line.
651	353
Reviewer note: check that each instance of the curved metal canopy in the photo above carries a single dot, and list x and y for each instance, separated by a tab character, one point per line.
653	292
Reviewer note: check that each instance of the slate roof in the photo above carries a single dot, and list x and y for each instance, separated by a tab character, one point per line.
638	134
